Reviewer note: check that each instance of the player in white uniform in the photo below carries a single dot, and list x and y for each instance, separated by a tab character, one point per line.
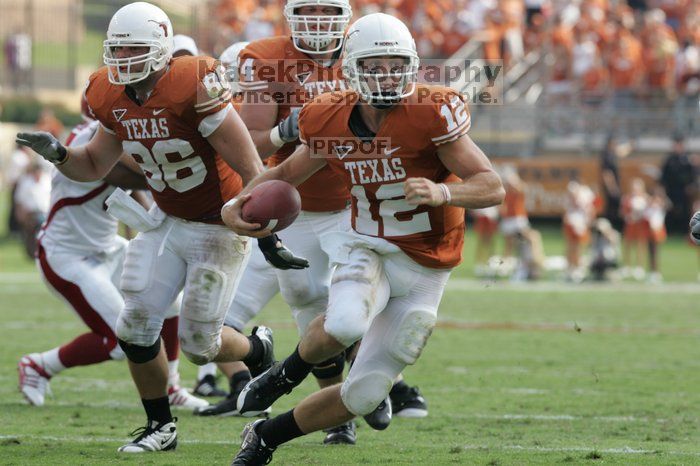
80	257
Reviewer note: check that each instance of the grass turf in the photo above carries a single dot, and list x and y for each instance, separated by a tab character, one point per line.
515	374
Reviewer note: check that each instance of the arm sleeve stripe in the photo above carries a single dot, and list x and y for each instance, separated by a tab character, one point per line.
463	127
223	97
210	123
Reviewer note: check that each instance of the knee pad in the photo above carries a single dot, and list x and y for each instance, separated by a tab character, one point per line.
346	327
362	395
358	293
140	354
330	368
411	334
199	353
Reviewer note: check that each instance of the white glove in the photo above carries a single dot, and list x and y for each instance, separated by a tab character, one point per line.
44	144
695	228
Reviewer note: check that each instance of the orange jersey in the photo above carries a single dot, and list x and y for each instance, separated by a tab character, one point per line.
405	146
274	69
166	135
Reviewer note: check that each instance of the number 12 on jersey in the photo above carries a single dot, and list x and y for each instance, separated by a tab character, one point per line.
392	201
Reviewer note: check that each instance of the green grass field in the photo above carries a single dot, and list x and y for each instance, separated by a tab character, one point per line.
543	373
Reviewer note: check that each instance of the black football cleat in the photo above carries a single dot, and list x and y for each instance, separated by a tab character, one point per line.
261	392
265	336
344	434
253	450
206	387
226	407
380	418
408	403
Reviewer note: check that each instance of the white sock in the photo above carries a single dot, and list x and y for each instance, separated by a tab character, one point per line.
51	362
205	370
173	374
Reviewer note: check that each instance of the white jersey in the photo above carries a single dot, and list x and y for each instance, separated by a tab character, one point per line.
77	220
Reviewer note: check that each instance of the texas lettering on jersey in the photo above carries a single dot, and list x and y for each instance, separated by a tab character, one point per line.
146	128
406	146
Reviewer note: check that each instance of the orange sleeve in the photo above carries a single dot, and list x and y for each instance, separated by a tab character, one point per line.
261	66
450	115
212	93
97	92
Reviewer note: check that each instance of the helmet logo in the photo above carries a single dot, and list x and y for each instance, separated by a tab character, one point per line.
162	25
386	43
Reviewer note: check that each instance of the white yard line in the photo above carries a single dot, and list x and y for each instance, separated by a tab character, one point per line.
468	284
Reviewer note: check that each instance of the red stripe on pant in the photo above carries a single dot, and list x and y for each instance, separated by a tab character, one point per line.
89	348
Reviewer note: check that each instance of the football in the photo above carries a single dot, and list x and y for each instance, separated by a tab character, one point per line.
274	204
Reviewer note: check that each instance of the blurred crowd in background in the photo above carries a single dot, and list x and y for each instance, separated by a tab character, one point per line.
635	47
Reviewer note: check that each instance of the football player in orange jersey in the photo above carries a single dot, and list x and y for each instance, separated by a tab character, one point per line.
277	76
403	151
174	117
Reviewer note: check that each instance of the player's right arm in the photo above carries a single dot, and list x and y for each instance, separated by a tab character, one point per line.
90	162
259	110
296	169
260	121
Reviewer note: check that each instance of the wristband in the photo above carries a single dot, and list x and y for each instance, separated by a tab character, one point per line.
277	141
230	203
445	192
64	155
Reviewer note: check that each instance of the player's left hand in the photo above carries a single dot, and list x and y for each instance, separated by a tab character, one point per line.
232	216
695	228
422	191
44	144
278	256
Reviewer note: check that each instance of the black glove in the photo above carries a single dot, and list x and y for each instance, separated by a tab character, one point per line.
289	127
278	256
44	144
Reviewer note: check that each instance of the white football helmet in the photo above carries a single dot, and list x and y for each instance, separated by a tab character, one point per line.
380	35
312	34
230	60
138	24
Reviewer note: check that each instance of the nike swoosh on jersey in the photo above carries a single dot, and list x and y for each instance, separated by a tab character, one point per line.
388	152
158	112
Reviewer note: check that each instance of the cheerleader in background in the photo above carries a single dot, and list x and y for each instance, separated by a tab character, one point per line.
654	220
578	215
485	227
514	214
634	236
